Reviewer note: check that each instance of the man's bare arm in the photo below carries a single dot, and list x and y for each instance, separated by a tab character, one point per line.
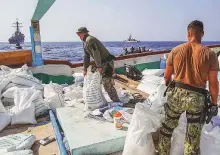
213	86
168	74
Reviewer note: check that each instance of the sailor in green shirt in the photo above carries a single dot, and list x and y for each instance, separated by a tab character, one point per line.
104	61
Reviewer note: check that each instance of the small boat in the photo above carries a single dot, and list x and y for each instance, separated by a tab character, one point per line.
132	40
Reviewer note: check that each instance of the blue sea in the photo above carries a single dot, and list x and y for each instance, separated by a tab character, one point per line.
73	51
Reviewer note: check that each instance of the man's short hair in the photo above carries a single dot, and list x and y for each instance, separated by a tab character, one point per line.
196	26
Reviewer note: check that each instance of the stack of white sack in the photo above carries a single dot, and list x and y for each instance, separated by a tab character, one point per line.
92	92
21	95
17	144
151	80
73	94
147	118
53	94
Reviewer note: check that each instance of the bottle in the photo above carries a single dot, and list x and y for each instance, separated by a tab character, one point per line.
118	120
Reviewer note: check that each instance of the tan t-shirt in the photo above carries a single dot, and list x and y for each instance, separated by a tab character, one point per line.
192	67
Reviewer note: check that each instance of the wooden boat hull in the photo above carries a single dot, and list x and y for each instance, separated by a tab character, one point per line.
60	71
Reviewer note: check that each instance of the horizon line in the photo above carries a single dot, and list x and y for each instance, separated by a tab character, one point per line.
111	41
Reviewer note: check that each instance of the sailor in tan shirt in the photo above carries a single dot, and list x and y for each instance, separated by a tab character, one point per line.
191	63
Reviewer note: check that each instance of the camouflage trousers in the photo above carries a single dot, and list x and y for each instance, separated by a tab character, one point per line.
178	101
108	81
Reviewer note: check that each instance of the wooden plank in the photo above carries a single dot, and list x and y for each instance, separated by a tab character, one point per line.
15	57
130	85
40	131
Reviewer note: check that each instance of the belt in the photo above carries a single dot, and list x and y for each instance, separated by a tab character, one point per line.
191	88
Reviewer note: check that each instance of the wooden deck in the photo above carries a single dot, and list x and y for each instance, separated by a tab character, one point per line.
44	127
40	131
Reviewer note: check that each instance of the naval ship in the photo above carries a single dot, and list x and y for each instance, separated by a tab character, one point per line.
130	39
17	38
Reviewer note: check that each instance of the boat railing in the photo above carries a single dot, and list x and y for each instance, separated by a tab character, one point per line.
18	58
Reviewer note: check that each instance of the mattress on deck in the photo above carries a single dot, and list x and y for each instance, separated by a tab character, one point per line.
88	136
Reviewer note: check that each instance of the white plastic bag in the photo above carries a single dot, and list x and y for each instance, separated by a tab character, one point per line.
5	79
26	99
73	93
136	145
16	142
78	78
27	80
8	86
92	92
5	120
210	140
23	70
24	116
156	100
2	108
9	93
150	83
139	139
54	96
178	137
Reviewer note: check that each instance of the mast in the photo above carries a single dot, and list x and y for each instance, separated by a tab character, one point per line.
17	25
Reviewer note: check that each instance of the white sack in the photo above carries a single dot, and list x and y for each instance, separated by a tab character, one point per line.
92	92
27	80
155	72
136	145
2	108
26	99
78	78
178	137
156	100
5	120
8	86
73	92
16	142
24	116
21	152
150	83
34	97
9	93
139	140
23	70
5	79
54	96
210	140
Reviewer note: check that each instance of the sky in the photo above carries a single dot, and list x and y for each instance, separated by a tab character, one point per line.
113	20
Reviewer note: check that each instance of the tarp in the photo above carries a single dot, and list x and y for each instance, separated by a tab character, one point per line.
42	7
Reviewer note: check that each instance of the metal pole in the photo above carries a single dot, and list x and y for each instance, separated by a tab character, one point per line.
58	134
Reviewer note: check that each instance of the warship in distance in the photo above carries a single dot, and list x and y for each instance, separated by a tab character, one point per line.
130	39
17	38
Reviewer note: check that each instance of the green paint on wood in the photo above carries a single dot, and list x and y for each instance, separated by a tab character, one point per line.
60	79
42	7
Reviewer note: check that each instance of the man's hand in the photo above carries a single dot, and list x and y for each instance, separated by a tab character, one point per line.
85	73
99	70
